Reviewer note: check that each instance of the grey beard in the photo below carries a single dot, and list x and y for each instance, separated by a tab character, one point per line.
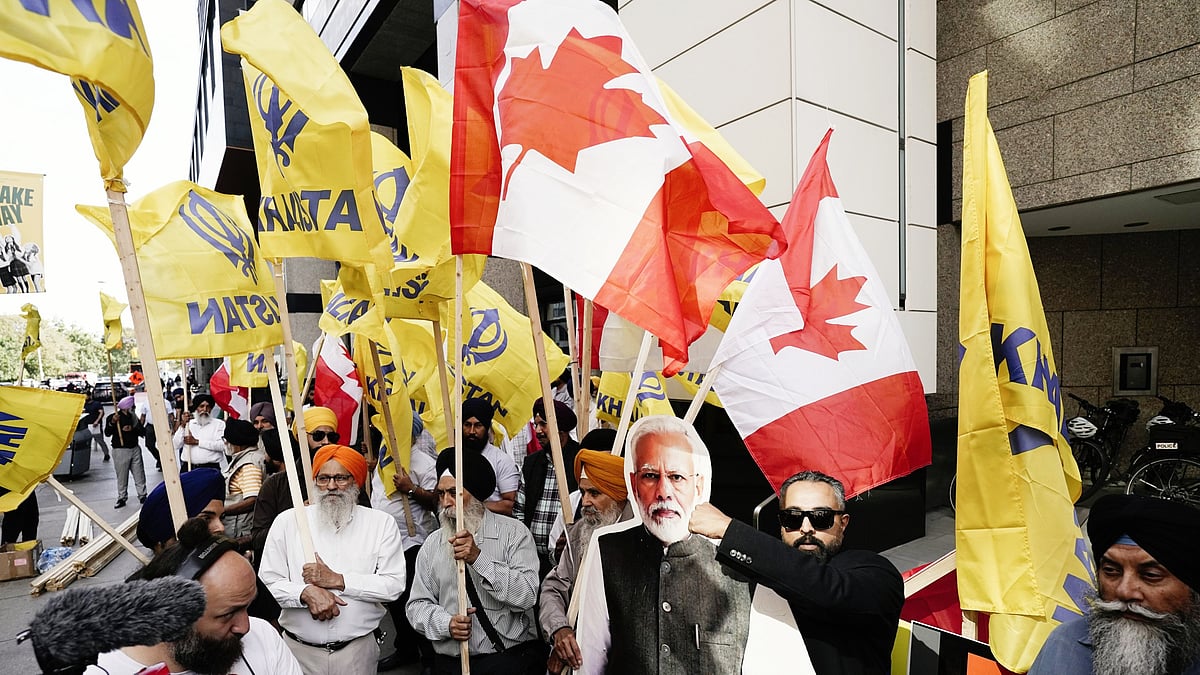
591	519
335	508
1163	644
472	517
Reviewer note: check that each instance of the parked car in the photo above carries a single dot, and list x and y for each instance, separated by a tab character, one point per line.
106	389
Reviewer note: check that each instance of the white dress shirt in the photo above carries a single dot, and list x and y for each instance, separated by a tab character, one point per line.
211	447
423	472
366	551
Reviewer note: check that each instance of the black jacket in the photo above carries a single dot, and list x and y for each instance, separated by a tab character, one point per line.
847	609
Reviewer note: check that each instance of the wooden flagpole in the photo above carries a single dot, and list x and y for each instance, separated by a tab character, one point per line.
372	452
289	460
390	424
583	399
631	395
698	400
145	342
311	371
552	432
187	404
87	510
572	349
464	650
112	389
294	382
449	412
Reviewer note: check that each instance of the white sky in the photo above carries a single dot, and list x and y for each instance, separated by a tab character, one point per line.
45	132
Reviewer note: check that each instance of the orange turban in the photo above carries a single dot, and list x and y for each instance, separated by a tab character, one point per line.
347	457
605	470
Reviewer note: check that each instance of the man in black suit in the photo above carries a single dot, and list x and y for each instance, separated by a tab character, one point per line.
846	603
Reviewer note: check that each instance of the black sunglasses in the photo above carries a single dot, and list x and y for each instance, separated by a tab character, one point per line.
319	436
821	519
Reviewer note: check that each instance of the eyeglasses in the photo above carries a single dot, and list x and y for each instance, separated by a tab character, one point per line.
319	436
341	479
821	519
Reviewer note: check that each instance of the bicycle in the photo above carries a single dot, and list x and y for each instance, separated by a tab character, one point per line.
1168	466
1096	437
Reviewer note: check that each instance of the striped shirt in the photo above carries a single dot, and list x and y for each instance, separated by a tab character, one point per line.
505	576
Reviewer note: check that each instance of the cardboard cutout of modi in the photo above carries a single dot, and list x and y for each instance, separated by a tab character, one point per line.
21	238
652	596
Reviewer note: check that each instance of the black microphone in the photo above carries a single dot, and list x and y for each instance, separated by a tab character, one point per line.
76	626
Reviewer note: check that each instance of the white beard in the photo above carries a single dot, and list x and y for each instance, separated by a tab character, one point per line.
668	530
336	508
580	534
1160	645
472	517
203	420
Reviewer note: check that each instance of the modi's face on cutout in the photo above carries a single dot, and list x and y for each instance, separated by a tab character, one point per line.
666	484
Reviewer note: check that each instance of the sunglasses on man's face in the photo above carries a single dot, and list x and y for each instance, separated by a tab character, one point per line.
319	436
821	519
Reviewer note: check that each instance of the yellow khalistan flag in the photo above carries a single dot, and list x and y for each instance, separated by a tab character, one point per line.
36	425
1021	556
111	308
103	48
351	307
650	398
419	366
312	140
207	289
499	362
249	370
33	330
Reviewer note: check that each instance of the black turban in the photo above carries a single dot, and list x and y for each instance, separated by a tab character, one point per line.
480	409
202	398
562	414
1165	529
240	433
478	477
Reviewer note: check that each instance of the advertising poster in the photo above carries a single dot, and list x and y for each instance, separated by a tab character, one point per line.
21	240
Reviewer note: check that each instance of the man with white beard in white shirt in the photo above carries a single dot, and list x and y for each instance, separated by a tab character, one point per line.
200	437
332	607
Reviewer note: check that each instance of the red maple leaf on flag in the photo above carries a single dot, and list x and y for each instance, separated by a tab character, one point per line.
830	299
566	107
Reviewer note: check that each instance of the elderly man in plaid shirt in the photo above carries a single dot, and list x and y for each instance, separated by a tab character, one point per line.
537	500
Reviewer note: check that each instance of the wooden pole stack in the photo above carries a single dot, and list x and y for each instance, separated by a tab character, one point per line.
85	562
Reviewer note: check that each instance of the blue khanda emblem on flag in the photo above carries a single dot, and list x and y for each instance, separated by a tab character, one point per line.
274	110
488	340
650	388
221	232
98	99
389	192
12	433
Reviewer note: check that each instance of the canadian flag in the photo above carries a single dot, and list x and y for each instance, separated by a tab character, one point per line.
565	156
814	370
235	401
336	386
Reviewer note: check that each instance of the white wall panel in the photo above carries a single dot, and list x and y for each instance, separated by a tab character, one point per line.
921	330
920	269
920	97
845	66
921	175
881	239
764	139
921	19
862	157
738	71
880	15
690	21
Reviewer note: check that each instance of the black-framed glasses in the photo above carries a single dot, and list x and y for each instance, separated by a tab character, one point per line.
319	436
342	479
821	519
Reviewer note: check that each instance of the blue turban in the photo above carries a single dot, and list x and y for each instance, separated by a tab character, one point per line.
200	486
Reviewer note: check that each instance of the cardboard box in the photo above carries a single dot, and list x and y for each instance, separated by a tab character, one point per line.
19	561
